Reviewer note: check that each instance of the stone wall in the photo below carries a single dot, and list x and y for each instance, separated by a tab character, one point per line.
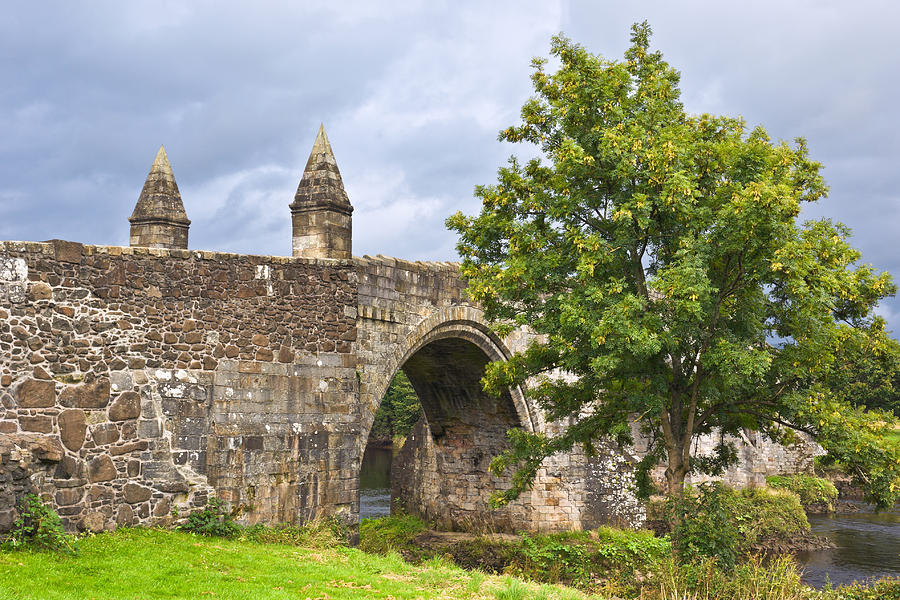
758	456
135	381
163	376
446	482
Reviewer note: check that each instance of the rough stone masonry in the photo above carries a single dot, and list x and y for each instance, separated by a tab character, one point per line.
137	380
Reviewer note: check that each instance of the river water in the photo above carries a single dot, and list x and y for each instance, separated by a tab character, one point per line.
375	483
868	542
868	547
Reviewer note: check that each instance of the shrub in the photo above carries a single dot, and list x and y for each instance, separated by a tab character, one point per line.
703	524
715	521
612	560
813	491
212	520
777	579
763	514
39	527
886	588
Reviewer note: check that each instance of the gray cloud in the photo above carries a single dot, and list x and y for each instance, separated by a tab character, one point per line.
412	95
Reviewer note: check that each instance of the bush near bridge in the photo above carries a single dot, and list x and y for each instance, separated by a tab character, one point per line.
815	493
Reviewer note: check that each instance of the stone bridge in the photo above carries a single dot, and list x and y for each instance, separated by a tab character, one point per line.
137	380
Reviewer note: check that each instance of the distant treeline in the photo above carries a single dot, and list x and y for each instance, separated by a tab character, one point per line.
399	410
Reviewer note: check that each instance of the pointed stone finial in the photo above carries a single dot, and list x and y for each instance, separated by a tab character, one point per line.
321	213
159	219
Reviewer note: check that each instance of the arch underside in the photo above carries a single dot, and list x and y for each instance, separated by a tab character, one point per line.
442	472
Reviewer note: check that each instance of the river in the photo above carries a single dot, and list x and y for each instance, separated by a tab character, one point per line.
868	546
375	483
868	542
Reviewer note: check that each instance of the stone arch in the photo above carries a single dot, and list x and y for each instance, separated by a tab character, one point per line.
442	472
461	322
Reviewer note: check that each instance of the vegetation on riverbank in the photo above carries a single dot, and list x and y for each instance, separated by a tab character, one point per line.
608	560
610	563
212	556
816	494
152	563
715	521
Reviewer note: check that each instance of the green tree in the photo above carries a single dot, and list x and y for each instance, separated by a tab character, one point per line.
660	256
399	410
866	368
405	406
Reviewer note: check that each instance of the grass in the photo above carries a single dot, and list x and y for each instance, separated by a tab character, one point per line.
152	563
391	533
312	562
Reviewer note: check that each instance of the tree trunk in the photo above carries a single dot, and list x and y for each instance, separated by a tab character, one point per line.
676	470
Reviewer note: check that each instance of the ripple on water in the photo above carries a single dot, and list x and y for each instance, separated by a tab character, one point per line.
868	548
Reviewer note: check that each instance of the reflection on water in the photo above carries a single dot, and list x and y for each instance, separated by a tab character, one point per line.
375	483
868	548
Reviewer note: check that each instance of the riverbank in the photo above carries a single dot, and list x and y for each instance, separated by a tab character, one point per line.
315	563
609	562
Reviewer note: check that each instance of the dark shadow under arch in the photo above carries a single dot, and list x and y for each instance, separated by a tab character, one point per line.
446	375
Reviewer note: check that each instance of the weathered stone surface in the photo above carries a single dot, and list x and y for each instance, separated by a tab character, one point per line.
173	486
40	291
33	393
7	519
128	448
101	469
69	496
94	522
72	428
159	220
126	406
40	424
162	508
86	395
67	252
13	269
285	355
70	466
104	434
321	210
40	372
46	449
121	381
124	516
135	493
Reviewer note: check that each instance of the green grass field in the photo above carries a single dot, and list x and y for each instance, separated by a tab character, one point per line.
150	563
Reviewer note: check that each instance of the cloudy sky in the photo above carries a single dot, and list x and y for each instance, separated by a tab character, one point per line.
412	95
